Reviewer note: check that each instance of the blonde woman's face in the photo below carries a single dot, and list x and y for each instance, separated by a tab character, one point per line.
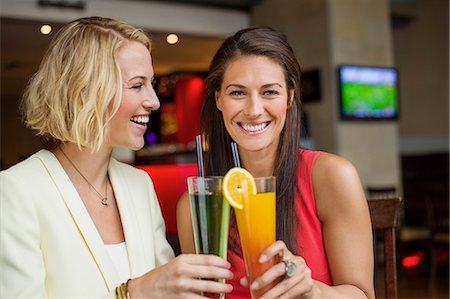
139	99
253	99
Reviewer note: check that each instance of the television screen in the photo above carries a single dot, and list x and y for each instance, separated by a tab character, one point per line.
368	92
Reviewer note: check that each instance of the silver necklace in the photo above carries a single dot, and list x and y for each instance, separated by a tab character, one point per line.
103	198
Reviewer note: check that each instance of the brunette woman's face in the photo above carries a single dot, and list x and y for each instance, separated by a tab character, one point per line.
253	99
129	124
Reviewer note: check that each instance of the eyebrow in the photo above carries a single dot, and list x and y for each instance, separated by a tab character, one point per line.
264	86
234	85
272	84
137	77
144	78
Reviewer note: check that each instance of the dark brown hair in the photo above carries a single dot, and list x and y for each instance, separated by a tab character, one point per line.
267	42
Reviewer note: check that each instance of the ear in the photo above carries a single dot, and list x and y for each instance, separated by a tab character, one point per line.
291	97
218	101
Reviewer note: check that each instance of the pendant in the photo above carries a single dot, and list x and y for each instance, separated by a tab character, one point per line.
104	201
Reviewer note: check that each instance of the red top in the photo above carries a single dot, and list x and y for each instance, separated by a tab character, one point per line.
310	238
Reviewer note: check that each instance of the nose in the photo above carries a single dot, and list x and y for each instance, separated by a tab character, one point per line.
151	101
254	106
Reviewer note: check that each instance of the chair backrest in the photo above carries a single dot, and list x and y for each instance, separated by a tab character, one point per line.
383	213
381	192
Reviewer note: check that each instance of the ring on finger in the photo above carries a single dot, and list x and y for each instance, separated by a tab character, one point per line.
290	268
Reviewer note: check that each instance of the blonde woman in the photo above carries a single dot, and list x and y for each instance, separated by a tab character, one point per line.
75	223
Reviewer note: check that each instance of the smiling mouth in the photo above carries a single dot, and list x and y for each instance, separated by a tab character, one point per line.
140	120
254	128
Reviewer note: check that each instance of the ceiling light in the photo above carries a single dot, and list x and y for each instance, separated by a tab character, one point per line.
172	39
46	29
73	4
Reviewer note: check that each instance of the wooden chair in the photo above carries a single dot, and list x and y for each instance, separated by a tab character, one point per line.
381	192
383	213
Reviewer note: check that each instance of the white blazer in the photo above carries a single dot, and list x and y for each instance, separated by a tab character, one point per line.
49	245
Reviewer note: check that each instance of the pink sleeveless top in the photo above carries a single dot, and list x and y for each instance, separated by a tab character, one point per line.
309	232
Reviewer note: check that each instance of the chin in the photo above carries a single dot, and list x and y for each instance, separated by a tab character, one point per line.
137	147
255	147
263	144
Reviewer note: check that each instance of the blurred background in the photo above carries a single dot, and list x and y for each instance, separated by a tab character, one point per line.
401	148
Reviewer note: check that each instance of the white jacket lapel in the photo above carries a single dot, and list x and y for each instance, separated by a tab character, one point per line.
138	252
81	217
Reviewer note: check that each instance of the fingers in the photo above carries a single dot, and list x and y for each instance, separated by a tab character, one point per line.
300	283
197	286
244	282
204	259
206	272
200	266
273	274
189	277
210	286
277	250
280	253
180	278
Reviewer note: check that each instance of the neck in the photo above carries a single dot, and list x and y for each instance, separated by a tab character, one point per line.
93	165
259	164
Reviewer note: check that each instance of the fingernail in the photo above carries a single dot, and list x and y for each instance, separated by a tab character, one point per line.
263	258
254	286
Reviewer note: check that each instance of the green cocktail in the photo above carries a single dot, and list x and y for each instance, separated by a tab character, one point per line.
210	220
210	213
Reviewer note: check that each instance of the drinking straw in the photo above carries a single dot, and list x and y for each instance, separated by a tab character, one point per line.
198	143
234	149
201	196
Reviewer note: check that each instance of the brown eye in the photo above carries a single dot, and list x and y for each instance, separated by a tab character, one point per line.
271	92
236	93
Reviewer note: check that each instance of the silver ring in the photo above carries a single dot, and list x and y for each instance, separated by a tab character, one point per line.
290	268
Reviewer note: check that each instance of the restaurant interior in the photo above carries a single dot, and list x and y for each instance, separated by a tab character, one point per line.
403	153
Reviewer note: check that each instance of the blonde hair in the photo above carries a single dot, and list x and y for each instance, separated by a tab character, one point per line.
78	86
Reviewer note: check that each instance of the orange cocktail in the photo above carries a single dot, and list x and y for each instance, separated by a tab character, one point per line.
256	225
253	200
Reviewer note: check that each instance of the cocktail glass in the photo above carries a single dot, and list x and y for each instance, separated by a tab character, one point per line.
257	228
210	213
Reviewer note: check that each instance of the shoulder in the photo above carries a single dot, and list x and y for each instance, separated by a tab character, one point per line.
336	185
330	167
28	181
28	167
183	212
183	205
307	158
306	162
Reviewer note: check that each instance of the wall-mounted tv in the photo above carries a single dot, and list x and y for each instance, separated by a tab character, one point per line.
368	93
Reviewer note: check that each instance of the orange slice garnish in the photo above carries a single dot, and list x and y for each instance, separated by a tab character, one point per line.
237	184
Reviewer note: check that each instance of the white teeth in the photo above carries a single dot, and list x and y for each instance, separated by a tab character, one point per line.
254	128
140	119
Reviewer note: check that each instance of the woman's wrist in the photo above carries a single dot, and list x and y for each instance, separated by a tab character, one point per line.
133	288
122	291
